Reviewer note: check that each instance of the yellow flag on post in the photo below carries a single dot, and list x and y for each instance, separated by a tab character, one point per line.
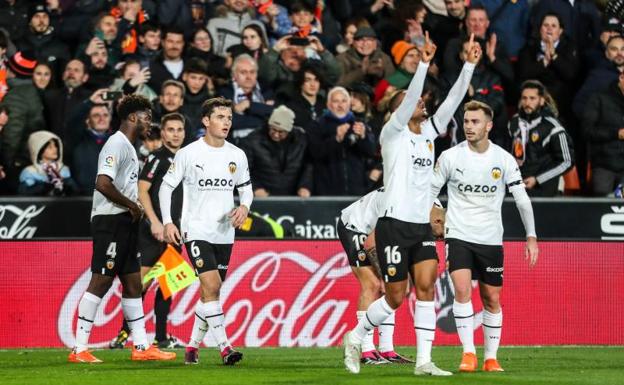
172	271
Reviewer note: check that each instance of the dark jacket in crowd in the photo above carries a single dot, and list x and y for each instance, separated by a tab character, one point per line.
100	78
216	64
281	168
14	18
46	47
59	104
545	152
597	80
305	113
581	21
339	168
192	109
26	116
159	74
559	77
603	117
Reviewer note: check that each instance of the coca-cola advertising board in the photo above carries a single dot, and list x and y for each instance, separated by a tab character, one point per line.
302	293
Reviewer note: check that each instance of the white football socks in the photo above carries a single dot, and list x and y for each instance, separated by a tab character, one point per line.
377	312
425	325
386	334
367	341
133	312
200	327
87	308
213	313
492	328
464	320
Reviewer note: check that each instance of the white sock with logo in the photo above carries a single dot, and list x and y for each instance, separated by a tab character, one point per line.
87	308
425	325
377	312
367	341
133	313
464	320
200	327
213	314
386	334
492	328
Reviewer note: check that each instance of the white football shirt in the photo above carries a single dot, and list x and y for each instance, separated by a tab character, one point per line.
361	215
476	184
209	176
118	160
408	157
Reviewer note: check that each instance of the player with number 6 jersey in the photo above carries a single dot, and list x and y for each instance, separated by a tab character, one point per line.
210	169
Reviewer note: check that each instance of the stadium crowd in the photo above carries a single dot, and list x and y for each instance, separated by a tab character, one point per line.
311	82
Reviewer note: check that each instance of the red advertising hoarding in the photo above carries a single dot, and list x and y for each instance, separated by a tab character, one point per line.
302	293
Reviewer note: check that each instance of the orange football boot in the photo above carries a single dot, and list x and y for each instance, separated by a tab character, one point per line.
491	365
84	356
469	363
151	354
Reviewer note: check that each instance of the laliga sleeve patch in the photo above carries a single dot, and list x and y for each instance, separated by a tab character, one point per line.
109	161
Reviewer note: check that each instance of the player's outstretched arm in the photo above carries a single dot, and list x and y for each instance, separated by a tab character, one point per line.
104	184
405	110
456	95
156	227
523	203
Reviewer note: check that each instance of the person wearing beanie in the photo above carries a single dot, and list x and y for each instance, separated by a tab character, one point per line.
278	157
42	39
406	56
26	109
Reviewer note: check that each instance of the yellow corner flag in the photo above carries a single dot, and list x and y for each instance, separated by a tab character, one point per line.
172	271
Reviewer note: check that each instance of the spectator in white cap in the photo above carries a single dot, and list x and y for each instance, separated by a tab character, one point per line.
278	157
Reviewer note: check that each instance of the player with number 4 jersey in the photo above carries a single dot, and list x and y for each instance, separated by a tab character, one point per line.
114	220
477	173
209	169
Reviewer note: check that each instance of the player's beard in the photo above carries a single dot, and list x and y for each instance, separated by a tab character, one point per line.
529	116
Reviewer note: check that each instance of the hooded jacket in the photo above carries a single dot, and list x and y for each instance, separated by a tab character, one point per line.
226	30
40	178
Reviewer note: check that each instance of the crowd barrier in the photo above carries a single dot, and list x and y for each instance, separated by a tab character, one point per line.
302	293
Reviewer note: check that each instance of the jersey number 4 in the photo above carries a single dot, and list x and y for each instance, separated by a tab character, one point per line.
393	255
112	250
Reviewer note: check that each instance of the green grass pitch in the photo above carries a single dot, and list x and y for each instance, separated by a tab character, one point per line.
299	366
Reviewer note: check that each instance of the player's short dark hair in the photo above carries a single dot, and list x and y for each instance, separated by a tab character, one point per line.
132	103
170	117
148	26
211	104
475	105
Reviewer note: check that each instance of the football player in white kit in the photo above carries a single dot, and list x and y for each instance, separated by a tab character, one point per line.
114	224
476	173
403	236
210	169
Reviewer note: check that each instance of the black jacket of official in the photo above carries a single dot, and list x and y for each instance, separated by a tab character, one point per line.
603	117
281	168
547	152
